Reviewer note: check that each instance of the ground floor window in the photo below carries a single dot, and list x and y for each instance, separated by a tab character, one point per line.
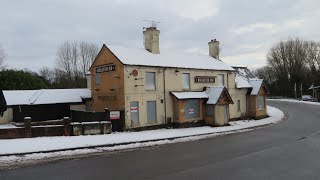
209	110
251	103
192	109
152	111
260	102
239	105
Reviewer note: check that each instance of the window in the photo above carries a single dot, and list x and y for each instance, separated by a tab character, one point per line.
150	81
251	103
221	79
192	109
209	110
186	80
239	105
151	111
97	78
260	102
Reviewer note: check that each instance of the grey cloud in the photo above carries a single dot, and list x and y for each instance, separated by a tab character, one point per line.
32	30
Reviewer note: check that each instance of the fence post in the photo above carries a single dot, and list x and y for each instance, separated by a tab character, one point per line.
66	124
27	127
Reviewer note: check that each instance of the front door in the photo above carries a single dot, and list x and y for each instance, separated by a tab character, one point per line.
221	115
134	113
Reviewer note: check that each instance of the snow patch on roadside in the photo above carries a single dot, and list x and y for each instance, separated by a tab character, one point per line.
56	143
295	101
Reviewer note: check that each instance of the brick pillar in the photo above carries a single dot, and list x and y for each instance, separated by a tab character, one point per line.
27	127
66	124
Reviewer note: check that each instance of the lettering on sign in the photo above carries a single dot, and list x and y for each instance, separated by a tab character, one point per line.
204	79
191	111
106	68
114	115
134	109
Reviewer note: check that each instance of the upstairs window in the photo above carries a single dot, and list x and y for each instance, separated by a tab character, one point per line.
97	78
186	80
221	79
150	81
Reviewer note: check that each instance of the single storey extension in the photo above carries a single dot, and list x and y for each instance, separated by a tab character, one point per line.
44	104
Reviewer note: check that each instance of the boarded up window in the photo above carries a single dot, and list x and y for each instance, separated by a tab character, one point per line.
209	110
192	109
186	80
251	103
97	79
221	79
150	81
260	102
176	110
151	111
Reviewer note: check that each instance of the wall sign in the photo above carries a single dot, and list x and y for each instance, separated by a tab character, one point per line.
204	79
114	115
106	68
191	111
134	109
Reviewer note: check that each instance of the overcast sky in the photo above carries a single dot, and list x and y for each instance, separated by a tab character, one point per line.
30	31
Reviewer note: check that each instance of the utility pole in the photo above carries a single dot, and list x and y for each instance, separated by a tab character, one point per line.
313	90
301	89
295	90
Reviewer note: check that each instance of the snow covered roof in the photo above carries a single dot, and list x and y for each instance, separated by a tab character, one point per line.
212	93
191	95
141	57
256	85
45	96
243	76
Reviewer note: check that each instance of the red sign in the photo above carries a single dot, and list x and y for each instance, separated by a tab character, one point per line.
134	109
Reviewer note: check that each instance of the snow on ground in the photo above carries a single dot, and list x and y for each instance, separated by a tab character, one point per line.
7	126
56	143
295	101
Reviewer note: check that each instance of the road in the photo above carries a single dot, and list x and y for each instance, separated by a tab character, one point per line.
289	150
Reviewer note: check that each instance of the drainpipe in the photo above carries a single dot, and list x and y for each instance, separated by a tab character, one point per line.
228	81
164	95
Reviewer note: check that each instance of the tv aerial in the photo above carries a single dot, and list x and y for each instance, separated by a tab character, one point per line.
153	22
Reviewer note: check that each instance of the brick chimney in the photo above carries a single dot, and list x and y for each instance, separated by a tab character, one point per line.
151	40
214	48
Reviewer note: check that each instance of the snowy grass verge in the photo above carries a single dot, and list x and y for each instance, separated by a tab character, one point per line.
295	101
125	140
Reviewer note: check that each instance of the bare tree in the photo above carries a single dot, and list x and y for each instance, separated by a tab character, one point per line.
3	57
48	74
88	53
288	61
75	59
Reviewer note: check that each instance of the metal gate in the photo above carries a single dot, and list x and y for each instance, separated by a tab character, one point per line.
134	112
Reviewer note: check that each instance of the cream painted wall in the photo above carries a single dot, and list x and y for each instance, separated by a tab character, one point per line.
7	116
238	94
135	90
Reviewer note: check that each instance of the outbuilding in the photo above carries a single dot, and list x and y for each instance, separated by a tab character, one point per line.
44	104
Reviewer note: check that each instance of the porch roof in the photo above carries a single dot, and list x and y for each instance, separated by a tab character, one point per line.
256	85
212	93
